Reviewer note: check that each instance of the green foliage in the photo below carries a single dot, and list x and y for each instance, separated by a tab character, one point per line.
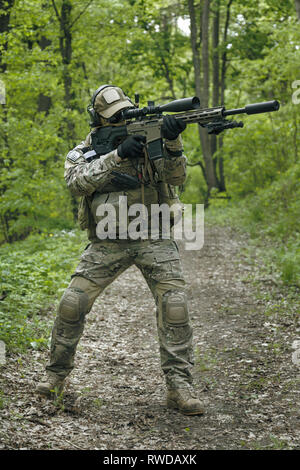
270	214
194	191
33	276
262	159
149	54
138	45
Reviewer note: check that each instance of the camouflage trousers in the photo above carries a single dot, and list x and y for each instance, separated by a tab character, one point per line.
100	264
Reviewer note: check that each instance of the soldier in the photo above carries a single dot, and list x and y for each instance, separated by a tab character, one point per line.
104	260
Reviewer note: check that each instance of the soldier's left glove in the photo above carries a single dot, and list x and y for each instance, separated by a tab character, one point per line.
172	127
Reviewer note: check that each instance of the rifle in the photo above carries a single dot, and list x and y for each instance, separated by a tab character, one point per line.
148	121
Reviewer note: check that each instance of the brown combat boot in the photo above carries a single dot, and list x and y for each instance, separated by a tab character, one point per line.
185	401
51	386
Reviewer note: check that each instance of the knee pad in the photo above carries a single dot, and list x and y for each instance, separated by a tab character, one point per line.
73	305
174	306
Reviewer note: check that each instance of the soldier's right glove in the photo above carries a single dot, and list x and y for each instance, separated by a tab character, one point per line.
132	147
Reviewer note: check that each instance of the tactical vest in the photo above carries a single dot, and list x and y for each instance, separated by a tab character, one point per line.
152	192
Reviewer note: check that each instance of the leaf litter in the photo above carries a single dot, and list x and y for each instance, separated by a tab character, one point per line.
115	397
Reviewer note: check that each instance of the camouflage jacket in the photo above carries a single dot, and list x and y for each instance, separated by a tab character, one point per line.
88	179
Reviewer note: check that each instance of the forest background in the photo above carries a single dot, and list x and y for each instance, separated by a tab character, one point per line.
54	54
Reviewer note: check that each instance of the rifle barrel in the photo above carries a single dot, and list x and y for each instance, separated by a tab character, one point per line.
255	108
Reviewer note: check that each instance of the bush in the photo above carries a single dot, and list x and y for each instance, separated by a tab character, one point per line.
270	216
34	274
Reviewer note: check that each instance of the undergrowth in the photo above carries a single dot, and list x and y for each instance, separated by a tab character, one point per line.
34	272
271	217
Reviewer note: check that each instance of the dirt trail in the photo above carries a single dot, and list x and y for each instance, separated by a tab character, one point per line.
115	397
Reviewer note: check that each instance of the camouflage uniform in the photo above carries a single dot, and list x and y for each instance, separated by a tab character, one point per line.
104	260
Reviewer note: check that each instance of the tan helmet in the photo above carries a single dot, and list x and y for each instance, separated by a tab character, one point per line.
109	99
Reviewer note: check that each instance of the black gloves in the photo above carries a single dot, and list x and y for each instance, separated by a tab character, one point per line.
132	147
172	127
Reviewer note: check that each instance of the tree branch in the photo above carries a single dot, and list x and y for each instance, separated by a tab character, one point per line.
56	11
81	13
199	163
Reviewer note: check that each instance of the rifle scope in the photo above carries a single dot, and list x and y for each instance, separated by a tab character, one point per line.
176	106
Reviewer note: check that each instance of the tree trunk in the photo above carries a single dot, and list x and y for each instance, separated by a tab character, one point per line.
224	55
202	87
65	46
205	51
215	67
195	49
215	55
215	140
44	101
209	166
5	10
166	30
297	5
222	185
